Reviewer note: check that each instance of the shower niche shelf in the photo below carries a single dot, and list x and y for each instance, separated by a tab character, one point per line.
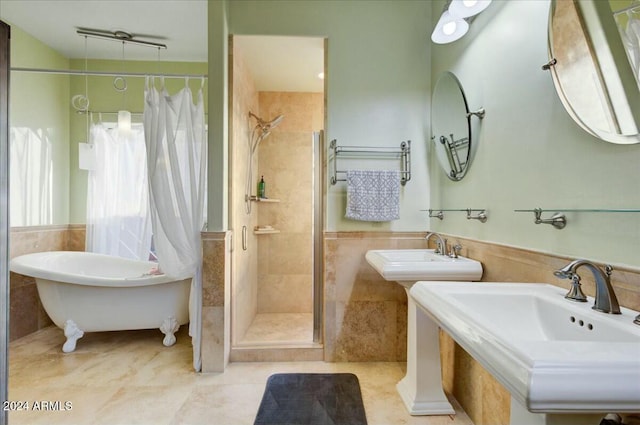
266	232
272	200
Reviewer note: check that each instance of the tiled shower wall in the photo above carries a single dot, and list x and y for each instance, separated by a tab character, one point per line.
26	314
285	263
244	98
365	316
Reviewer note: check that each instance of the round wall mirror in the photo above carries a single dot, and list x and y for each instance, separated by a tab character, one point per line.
451	127
591	67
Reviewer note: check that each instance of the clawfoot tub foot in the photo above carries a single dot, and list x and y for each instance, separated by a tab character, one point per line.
73	334
168	328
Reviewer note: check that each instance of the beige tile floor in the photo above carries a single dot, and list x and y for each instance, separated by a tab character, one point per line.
131	378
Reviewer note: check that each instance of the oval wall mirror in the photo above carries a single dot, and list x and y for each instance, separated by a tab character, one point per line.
451	126
591	69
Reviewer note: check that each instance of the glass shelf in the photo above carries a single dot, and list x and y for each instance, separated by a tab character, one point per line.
455	209
559	220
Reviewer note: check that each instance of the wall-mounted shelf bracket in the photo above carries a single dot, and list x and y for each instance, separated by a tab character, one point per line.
559	220
439	215
481	216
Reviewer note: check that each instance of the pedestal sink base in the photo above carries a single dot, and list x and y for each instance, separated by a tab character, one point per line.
521	416
438	406
421	388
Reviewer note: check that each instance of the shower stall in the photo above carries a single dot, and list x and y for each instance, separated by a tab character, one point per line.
276	282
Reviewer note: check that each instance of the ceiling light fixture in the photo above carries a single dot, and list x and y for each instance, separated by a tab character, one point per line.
454	21
449	29
467	8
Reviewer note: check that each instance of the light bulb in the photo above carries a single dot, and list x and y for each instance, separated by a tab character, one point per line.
449	28
466	8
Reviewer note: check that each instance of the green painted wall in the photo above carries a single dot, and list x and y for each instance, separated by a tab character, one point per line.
40	102
377	82
530	153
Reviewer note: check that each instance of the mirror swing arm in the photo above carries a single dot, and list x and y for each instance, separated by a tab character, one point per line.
479	113
451	126
452	146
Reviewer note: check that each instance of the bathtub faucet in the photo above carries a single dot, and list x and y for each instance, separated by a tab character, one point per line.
606	300
441	243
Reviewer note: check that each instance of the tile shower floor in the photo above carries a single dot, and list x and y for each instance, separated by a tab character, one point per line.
131	378
280	328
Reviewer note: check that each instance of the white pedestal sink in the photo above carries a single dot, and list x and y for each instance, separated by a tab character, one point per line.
562	362
407	266
421	394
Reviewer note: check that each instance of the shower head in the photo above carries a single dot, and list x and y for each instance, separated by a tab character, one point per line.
267	126
274	122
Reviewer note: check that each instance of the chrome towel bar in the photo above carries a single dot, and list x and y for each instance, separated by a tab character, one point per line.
374	152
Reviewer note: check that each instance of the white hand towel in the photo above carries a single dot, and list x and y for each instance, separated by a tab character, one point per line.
373	195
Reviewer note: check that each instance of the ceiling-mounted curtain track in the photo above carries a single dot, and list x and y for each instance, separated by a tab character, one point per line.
121	36
105	73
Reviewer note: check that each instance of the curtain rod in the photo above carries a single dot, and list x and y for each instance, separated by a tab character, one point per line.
105	73
113	113
107	112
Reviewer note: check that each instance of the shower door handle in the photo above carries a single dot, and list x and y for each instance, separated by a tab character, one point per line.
244	238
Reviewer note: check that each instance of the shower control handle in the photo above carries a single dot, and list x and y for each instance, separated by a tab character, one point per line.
244	238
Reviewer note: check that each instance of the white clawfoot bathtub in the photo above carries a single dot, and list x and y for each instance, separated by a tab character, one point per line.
87	292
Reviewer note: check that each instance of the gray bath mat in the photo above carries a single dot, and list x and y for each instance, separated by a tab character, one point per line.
312	399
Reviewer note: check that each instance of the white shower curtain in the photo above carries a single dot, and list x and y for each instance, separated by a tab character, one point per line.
31	177
176	161
118	221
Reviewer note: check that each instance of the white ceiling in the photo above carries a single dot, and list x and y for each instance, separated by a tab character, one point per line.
283	63
181	24
276	63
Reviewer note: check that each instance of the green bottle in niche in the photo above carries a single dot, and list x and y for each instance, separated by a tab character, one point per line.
261	188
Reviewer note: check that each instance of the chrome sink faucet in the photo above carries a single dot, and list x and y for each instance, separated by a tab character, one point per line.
441	243
606	300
